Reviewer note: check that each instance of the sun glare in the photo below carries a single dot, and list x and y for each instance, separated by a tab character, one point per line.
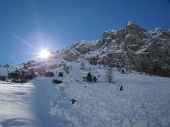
44	54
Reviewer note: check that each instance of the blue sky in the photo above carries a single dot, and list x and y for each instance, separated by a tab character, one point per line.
27	26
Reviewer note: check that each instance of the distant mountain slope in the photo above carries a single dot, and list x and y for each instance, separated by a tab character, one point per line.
133	48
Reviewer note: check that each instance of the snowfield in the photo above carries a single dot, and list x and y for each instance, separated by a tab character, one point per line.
144	101
16	107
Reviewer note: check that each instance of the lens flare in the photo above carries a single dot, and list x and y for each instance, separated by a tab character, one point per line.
44	54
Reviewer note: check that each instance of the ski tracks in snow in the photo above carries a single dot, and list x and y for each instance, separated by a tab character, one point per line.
43	94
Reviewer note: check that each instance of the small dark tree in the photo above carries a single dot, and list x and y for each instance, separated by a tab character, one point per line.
3	78
20	76
55	81
60	74
94	79
49	74
123	72
29	76
89	77
14	76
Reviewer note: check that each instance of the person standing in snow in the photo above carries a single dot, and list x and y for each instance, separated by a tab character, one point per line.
121	88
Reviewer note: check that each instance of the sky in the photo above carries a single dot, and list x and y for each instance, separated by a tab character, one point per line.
28	26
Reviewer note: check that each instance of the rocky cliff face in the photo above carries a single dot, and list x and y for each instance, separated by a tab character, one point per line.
133	48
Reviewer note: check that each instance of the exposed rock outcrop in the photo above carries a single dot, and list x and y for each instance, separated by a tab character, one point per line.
70	55
85	46
6	66
145	51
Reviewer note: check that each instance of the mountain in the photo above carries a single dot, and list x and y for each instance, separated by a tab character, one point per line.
133	48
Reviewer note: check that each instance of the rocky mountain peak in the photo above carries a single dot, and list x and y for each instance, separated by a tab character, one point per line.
131	23
133	48
133	29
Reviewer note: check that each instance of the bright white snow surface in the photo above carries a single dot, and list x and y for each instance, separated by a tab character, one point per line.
144	101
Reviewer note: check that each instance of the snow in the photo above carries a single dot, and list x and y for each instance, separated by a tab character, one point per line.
16	105
141	50
87	43
128	35
130	23
144	101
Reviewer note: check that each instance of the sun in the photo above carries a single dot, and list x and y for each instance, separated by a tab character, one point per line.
44	54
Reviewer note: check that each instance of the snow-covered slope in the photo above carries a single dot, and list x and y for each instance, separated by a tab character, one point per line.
144	101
